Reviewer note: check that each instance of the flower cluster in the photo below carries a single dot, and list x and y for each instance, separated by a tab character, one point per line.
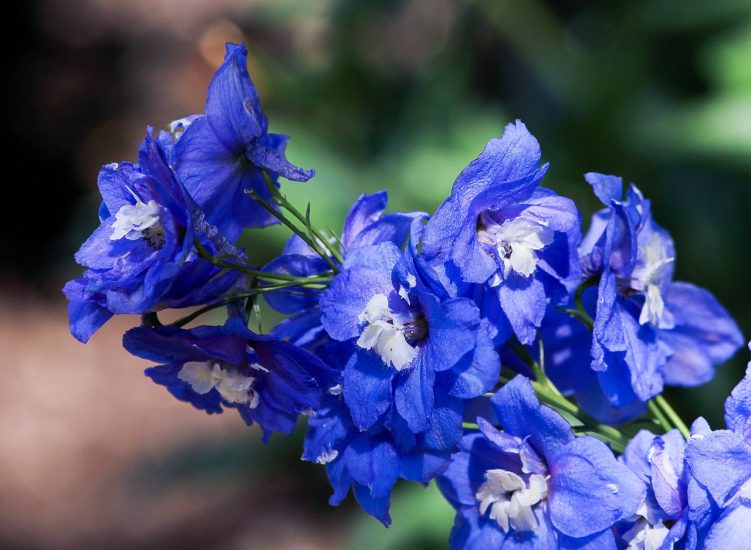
490	346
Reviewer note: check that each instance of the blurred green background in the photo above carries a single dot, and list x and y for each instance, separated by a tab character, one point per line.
391	94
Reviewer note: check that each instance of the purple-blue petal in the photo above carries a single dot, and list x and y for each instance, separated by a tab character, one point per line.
721	462
367	388
523	300
738	408
606	188
413	394
365	211
704	335
520	413
232	105
583	472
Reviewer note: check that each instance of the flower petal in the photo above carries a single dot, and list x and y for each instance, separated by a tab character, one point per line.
583	472
367	388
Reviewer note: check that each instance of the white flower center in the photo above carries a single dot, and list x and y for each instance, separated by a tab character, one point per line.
387	333
645	535
327	456
653	257
510	500
516	241
404	291
177	127
140	220
231	385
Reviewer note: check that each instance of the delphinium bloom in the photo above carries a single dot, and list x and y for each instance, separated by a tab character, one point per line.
662	518
371	461
268	381
365	225
394	416
220	155
500	230
648	330
535	484
414	345
396	325
141	257
720	463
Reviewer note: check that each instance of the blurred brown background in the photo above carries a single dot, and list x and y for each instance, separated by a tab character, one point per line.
395	94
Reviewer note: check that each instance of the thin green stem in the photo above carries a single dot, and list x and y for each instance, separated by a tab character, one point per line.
580	313
590	426
196	314
240	296
151	319
580	292
662	420
296	230
266	275
304	219
522	352
548	394
557	401
580	316
672	415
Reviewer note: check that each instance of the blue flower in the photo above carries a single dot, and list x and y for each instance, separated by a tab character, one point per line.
415	348
535	485
500	230
222	154
369	462
141	257
365	225
568	363
267	380
720	464
662	519
648	330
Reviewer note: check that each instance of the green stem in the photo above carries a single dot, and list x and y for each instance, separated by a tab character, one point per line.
580	292
580	316
151	319
548	394
580	313
304	219
281	199
296	230
266	275
609	434
188	318
237	297
662	420
672	415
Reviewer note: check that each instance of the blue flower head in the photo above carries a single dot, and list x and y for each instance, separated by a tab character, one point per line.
414	346
535	485
141	257
719	495
370	462
268	381
661	521
500	230
365	225
648	330
220	155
